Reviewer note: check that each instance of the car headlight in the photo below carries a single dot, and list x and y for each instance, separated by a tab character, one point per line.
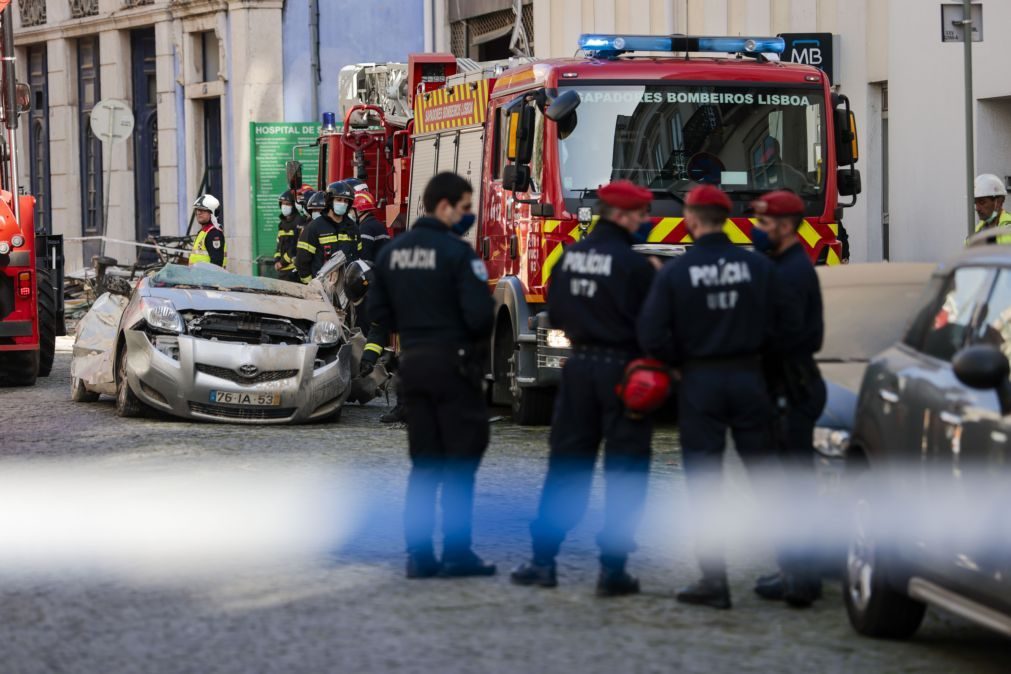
831	442
558	340
325	333
161	314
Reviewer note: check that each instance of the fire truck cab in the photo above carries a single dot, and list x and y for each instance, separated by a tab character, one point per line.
537	138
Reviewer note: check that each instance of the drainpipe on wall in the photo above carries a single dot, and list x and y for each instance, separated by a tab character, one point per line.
314	65
428	17
184	202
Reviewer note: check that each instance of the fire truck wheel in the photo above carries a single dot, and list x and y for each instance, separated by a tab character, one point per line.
79	393
127	403
21	368
47	321
533	406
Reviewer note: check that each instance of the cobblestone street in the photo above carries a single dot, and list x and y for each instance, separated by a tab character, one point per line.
354	611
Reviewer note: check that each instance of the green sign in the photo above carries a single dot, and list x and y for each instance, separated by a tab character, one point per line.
273	145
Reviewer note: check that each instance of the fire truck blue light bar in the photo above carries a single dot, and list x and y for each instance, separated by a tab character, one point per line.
617	44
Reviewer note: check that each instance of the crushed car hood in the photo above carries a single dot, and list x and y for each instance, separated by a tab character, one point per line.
220	293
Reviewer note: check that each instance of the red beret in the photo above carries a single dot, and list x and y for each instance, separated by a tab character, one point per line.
625	195
708	195
778	204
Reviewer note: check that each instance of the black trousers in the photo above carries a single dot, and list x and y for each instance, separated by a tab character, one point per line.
447	431
712	400
800	544
587	410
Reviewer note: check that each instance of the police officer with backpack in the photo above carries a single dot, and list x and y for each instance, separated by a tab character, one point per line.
431	289
713	313
597	290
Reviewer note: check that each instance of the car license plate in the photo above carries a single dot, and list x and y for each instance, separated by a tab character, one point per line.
252	399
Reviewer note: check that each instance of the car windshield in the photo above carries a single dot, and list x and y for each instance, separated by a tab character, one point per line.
670	138
863	319
206	277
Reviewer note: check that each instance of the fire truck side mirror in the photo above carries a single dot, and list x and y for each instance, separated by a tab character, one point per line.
563	106
516	177
846	146
294	171
24	97
849	182
522	123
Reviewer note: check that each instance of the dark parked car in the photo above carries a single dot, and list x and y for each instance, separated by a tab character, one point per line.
930	451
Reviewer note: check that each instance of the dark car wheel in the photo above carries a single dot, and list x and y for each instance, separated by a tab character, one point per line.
128	405
79	393
875	608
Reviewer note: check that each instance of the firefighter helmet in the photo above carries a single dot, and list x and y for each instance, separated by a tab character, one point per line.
645	386
364	202
316	202
357	281
339	190
206	202
287	197
356	184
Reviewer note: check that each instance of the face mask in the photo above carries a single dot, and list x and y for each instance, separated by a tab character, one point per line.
641	235
993	216
340	207
464	224
760	239
286	210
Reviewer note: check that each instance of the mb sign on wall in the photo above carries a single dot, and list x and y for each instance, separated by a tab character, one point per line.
813	49
273	145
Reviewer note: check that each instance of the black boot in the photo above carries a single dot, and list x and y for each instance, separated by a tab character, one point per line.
800	590
532	573
616	583
394	416
465	564
709	591
422	565
771	587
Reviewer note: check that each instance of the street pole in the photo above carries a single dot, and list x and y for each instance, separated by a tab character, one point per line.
970	161
108	189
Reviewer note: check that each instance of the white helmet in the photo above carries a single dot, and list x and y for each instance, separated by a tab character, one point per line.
989	185
206	202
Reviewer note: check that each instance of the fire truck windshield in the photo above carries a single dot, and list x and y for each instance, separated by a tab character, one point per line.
746	139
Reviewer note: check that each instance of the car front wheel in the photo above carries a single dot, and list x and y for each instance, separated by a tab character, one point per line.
875	609
127	403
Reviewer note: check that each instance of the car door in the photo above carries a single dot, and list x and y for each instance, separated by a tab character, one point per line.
982	467
930	475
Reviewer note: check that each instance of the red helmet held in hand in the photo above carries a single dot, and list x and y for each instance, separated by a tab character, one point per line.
646	385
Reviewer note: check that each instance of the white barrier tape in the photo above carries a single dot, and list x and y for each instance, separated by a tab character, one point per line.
137	244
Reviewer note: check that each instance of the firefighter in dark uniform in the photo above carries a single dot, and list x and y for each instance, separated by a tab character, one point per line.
796	385
712	313
597	290
431	289
331	232
372	232
288	230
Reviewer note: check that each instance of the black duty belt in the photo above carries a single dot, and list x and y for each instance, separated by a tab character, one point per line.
748	362
607	354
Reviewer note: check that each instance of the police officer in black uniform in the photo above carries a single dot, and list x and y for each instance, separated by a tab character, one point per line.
597	290
331	232
432	290
713	312
289	228
795	383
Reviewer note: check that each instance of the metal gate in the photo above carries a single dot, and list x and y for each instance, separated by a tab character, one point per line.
145	134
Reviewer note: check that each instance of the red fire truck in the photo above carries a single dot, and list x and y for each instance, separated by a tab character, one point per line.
537	139
31	263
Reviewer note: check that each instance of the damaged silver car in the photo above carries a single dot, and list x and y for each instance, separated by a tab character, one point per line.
202	343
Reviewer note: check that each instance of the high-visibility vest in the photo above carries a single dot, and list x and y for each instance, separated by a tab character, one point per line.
1003	221
200	254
